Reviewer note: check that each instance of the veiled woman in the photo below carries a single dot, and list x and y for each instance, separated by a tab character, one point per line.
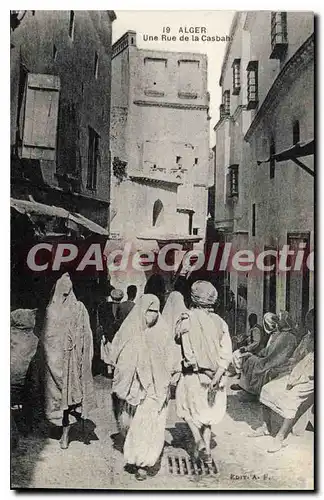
206	351
172	312
65	355
281	344
142	373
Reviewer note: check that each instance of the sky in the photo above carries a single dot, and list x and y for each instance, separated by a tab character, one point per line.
151	23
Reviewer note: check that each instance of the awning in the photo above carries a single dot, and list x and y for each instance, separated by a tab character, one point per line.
40	209
163	235
88	224
298	150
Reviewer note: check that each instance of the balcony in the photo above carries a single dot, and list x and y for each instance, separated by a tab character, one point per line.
154	173
279	35
253	86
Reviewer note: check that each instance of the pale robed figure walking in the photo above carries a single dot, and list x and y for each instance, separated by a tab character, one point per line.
206	353
62	366
140	356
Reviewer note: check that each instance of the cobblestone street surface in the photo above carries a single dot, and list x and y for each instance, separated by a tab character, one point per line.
242	461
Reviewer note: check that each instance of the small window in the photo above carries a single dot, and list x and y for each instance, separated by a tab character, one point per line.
96	65
253	219
234	180
54	52
195	231
272	160
178	159
252	85
190	222
236	76
93	158
158	211
296	132
71	25
279	35
226	102
196	161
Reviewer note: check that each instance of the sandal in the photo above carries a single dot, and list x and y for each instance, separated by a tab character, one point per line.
259	432
141	474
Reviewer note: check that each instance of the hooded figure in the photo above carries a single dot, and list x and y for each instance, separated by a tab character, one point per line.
173	312
67	351
282	342
140	355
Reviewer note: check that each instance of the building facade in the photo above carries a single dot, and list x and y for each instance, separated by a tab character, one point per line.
159	144
60	140
60	109
260	204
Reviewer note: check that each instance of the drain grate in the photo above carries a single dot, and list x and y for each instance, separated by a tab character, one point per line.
186	466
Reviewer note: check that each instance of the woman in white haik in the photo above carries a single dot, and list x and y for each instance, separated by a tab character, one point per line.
140	355
206	351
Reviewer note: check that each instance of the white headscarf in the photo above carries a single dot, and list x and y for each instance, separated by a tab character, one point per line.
143	351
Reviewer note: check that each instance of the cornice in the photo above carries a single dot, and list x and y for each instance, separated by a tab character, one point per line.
298	61
238	111
221	121
112	15
174	105
228	46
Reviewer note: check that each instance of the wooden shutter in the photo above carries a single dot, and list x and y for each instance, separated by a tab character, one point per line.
40	121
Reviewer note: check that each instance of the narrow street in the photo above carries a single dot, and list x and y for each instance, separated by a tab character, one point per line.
242	461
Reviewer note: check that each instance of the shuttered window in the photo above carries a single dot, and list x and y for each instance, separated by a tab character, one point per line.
40	117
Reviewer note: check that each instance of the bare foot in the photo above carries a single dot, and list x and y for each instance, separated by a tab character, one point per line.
277	445
141	474
260	431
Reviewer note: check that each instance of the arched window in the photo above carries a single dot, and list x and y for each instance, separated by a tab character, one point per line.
158	210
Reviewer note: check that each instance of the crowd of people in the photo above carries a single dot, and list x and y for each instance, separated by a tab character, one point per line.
148	352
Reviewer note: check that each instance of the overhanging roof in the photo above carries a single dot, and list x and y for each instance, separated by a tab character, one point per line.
35	208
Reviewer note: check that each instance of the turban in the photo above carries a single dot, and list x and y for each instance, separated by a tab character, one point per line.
270	322
203	294
117	294
285	320
23	318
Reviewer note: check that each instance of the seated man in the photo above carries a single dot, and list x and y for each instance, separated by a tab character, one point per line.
286	395
292	390
253	342
279	348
